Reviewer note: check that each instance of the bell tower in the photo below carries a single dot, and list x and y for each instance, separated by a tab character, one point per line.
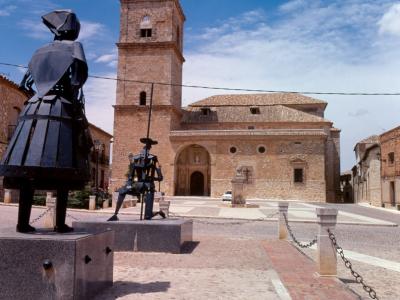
150	50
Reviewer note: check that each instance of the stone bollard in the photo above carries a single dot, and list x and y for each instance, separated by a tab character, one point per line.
7	196
106	203
50	217
326	252
164	207
92	202
282	229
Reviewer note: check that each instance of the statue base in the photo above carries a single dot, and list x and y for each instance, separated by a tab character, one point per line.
47	265
166	235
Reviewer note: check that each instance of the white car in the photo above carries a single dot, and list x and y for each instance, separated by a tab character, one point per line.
227	196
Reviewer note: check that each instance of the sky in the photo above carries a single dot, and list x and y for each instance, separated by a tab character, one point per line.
298	45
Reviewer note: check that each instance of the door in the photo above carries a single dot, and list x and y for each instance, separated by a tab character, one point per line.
392	194
197	184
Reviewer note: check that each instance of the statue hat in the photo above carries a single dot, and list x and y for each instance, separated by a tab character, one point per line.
63	23
148	141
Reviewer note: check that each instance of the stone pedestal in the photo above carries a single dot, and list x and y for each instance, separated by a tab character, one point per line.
326	253
92	202
106	203
238	198
46	265
166	235
282	229
164	206
7	196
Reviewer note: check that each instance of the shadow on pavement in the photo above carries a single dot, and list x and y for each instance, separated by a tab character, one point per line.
188	247
124	288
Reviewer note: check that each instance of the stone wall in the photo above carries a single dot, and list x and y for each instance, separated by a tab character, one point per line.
390	143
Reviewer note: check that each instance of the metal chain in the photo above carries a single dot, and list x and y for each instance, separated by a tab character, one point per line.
348	265
226	223
40	216
308	245
72	217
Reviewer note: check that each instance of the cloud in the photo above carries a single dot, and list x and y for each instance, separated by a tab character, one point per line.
390	22
359	113
100	96
332	46
110	59
90	30
35	29
292	5
7	10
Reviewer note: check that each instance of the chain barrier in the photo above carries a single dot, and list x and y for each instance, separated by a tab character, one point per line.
308	245
349	266
226	223
40	216
72	217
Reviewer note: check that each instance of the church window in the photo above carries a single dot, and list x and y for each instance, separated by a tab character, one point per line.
255	110
251	127
146	27
261	149
233	150
205	111
298	175
143	98
391	158
297	143
145	33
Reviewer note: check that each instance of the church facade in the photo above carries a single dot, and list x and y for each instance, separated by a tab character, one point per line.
281	143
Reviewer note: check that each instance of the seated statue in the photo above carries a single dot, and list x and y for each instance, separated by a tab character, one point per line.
144	170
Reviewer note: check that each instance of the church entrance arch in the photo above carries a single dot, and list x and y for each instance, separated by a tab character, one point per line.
193	172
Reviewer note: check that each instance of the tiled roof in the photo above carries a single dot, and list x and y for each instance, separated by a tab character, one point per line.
370	140
242	114
257	100
13	85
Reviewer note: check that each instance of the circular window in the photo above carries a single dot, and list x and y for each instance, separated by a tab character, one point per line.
233	150
261	149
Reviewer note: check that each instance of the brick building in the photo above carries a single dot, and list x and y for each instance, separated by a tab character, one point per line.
390	168
367	171
281	142
100	157
11	102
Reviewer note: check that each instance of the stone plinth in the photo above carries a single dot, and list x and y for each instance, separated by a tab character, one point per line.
326	252
92	202
46	265
7	196
238	197
166	235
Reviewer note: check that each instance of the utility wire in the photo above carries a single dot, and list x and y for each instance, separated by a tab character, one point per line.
228	89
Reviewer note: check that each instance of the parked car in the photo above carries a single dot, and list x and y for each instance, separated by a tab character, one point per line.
227	196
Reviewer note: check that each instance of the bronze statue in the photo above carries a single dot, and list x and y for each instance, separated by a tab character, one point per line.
50	147
143	172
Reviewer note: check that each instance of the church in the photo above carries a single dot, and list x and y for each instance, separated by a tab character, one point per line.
281	143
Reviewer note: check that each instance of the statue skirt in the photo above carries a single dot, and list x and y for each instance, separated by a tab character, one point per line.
50	146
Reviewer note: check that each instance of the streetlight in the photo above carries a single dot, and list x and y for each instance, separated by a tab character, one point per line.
98	146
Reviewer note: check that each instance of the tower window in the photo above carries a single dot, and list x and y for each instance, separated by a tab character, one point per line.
255	110
391	158
143	97
144	33
298	176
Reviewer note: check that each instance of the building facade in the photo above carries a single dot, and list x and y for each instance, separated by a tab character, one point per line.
390	168
367	171
11	102
100	158
282	143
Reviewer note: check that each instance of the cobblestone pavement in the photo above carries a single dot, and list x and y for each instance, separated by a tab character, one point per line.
377	241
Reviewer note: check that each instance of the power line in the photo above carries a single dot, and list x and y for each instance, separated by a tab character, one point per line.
229	89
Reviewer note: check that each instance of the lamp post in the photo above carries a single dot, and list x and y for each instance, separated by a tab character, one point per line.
98	146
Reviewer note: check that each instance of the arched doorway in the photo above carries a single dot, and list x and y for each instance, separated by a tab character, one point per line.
197	184
193	172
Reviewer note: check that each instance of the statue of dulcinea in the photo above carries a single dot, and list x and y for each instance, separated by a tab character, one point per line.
144	171
50	147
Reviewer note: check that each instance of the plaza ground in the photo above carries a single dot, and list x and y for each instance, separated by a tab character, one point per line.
234	258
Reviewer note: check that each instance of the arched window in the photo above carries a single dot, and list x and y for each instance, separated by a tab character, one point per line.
143	97
146	27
